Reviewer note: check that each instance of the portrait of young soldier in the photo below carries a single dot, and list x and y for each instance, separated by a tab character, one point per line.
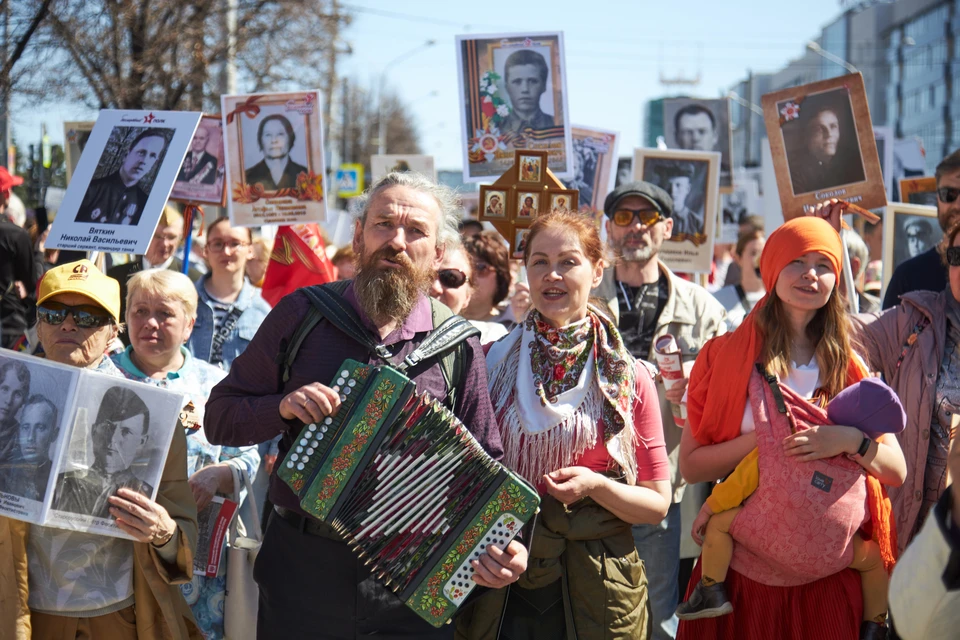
525	75
27	477
14	389
119	197
822	149
119	433
679	180
275	139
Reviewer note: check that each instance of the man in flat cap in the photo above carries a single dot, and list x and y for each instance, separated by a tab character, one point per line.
677	178
651	302
118	434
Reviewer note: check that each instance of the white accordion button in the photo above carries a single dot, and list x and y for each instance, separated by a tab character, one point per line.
328	420
303	442
309	451
344	373
311	427
299	449
294	457
290	465
300	466
352	383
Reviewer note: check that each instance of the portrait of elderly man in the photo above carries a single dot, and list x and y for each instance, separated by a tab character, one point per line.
119	198
119	432
200	166
275	138
14	389
824	152
28	476
525	76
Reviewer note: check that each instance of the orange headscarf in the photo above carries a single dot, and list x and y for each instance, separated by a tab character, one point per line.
718	383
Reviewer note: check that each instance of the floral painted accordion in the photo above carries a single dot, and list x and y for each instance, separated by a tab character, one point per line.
407	486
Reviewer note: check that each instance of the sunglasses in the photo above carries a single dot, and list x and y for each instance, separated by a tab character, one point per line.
947	194
953	256
648	217
84	316
451	278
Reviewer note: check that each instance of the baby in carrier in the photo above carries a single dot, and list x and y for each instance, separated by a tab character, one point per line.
868	405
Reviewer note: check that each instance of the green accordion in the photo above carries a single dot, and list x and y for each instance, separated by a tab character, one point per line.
403	481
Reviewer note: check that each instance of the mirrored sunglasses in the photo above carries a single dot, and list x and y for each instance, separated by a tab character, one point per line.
648	217
953	256
451	278
84	316
947	194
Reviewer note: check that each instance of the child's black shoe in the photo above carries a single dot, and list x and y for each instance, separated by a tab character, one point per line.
706	602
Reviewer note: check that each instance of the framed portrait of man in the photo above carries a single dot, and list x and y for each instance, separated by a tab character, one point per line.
919	191
908	231
75	136
692	179
594	166
274	156
513	96
201	176
118	190
701	124
382	165
823	145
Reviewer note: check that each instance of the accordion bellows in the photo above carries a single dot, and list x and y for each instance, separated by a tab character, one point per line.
403	481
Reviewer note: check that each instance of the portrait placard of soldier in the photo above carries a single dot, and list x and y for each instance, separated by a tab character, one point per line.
823	145
274	158
119	439
594	166
382	165
513	96
117	191
75	136
698	124
200	180
908	231
33	398
691	179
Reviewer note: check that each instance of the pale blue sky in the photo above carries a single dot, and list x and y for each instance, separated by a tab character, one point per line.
615	52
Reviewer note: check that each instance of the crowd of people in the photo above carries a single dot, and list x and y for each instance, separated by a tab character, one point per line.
813	516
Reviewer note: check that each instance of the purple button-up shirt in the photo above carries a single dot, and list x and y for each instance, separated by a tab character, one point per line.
244	408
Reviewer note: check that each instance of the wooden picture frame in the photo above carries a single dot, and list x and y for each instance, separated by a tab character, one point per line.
823	145
919	191
908	230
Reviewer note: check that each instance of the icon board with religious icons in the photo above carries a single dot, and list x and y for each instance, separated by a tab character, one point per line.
524	191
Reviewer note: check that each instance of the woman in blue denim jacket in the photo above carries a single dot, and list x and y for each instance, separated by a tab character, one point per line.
161	309
230	309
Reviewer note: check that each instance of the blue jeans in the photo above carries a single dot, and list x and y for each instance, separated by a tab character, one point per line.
659	548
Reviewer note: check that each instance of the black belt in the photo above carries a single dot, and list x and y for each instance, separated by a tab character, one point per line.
308	525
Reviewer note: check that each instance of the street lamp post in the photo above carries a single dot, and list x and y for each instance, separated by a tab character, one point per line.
823	53
382	125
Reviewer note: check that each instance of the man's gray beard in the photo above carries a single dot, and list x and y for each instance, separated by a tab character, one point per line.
389	294
637	255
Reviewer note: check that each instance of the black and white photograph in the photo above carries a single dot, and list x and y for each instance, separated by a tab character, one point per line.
919	191
201	176
120	439
513	96
701	124
75	136
594	166
123	180
274	151
823	145
691	178
34	398
735	206
624	171
125	175
908	231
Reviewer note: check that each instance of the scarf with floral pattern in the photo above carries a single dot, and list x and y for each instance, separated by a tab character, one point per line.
551	387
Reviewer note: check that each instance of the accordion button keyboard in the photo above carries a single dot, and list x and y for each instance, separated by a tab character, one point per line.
309	451
294	457
303	442
299	466
299	449
311	427
461	583
290	465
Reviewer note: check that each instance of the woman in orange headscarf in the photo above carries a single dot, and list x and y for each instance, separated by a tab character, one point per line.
799	333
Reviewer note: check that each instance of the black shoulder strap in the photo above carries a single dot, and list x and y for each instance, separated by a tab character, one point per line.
327	302
774	387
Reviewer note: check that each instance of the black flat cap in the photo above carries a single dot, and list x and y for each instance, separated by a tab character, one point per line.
651	192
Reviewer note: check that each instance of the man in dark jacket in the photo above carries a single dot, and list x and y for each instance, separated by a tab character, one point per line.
18	277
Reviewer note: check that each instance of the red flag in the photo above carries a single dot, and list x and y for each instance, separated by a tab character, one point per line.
298	260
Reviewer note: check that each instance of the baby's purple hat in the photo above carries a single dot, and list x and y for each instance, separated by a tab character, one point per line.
869	405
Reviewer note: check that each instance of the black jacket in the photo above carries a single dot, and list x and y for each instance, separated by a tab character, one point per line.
109	201
260	173
204	172
16	264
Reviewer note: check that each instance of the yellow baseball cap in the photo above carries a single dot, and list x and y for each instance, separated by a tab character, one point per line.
84	278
